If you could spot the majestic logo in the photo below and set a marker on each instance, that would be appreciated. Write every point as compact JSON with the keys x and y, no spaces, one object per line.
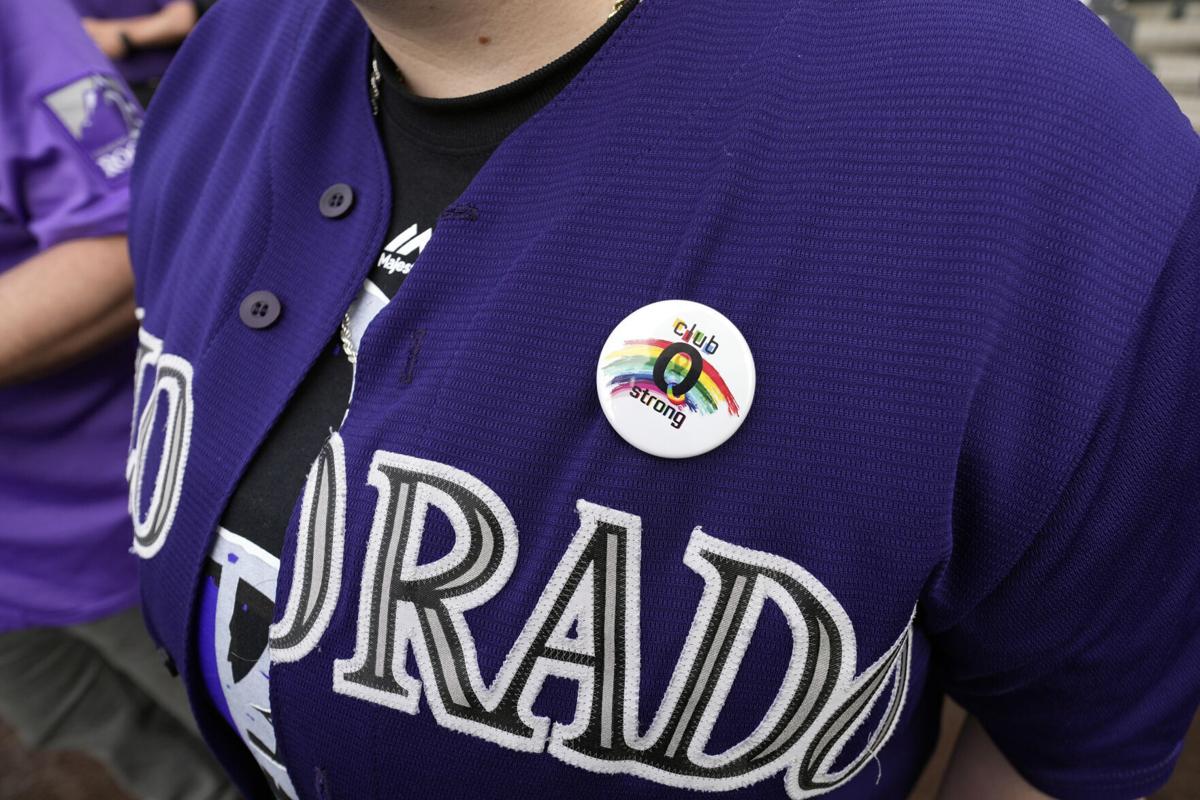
{"x":668,"y":377}
{"x":102,"y":118}
{"x":401,"y":253}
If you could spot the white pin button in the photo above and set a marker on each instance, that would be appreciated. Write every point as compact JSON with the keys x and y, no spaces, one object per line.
{"x":675,"y":379}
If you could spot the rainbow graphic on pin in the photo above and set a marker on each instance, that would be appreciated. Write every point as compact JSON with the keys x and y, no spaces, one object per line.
{"x":675,"y":371}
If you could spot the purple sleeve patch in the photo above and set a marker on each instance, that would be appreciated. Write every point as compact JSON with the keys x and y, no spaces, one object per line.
{"x":102,"y":118}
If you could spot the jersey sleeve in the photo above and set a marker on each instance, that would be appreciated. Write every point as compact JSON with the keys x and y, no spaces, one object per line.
{"x":71,"y":130}
{"x":81,"y":140}
{"x":1082,"y":661}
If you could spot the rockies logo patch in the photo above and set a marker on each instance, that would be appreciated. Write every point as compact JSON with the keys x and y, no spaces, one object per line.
{"x":103,"y":120}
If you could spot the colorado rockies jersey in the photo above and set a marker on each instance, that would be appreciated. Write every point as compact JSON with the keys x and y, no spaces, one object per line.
{"x":961,"y":244}
{"x":434,"y":148}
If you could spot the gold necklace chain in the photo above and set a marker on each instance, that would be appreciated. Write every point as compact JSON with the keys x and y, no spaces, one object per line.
{"x":345,"y":332}
{"x":347,"y":337}
{"x":617,"y":6}
{"x":375,"y":80}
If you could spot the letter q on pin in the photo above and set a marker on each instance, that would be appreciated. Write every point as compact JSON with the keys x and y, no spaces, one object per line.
{"x":675,"y":379}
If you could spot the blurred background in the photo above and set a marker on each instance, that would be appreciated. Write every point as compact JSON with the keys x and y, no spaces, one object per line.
{"x":1166,"y":34}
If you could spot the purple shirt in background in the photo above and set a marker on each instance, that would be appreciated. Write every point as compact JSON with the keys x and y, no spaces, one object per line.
{"x":144,"y":65}
{"x":69,"y":130}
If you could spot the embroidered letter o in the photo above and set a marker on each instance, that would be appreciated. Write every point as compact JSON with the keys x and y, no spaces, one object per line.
{"x":169,"y":406}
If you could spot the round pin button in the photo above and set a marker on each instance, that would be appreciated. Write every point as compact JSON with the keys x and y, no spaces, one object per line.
{"x":675,"y":379}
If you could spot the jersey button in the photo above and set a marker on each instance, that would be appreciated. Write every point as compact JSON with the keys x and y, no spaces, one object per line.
{"x":337,"y":201}
{"x":260,"y":310}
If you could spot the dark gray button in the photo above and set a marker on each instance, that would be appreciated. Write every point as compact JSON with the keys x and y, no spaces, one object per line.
{"x":260,"y":310}
{"x":337,"y":201}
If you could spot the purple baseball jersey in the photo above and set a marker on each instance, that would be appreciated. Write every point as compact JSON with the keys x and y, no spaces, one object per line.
{"x":961,"y":242}
{"x":143,"y":65}
{"x":67,"y":141}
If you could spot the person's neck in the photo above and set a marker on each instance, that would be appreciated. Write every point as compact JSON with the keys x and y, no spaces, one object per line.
{"x":453,"y":48}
